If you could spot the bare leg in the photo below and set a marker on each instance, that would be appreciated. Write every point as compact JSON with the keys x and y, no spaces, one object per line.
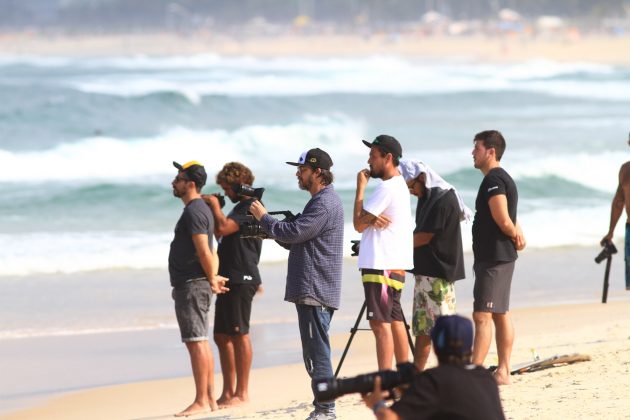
{"x":384,"y":343}
{"x":243,"y":357}
{"x":423,"y":349}
{"x":505,"y":340}
{"x":483,"y":336}
{"x":202,"y":368}
{"x":401,"y":346}
{"x":227,"y":359}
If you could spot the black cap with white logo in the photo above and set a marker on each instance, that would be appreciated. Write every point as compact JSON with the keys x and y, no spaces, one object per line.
{"x":315,"y":158}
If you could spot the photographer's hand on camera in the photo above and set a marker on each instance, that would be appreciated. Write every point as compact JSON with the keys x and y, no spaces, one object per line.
{"x":257,"y":210}
{"x":375,"y":400}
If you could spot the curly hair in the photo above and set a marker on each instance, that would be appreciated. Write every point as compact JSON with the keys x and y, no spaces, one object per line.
{"x":235,"y":173}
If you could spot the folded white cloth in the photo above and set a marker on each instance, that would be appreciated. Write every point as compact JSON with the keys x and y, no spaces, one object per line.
{"x":411,"y":169}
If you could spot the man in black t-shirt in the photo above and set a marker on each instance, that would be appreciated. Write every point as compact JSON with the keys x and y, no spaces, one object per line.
{"x":239,"y":263}
{"x":192,"y":266}
{"x":438,"y":253}
{"x":496,"y":238}
{"x":455,"y":389}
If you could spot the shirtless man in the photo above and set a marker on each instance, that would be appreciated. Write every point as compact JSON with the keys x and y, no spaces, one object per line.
{"x":621,"y":200}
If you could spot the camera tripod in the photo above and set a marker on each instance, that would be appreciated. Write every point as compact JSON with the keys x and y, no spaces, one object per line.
{"x":356,"y":328}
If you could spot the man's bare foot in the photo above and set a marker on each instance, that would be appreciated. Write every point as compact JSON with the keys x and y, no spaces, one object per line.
{"x":502,"y":377}
{"x":232,"y":402}
{"x":194,"y":408}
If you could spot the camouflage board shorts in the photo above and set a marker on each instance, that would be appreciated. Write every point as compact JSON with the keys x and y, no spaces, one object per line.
{"x":432,"y":297}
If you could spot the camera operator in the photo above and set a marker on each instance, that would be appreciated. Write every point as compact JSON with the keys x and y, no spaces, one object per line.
{"x":438,"y":256}
{"x":620,"y":201}
{"x":315,"y":242}
{"x":455,"y":389}
{"x":239,"y":263}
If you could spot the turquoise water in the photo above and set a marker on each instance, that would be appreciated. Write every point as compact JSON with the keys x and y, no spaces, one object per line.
{"x":86,"y":144}
{"x":87,"y":212}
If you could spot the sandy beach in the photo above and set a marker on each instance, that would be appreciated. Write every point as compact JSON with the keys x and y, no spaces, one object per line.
{"x":143,"y":372}
{"x":281,"y":389}
{"x":478,"y":48}
{"x":594,"y":389}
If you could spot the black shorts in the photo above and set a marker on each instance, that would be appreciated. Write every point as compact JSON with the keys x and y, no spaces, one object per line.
{"x":192,"y":302}
{"x":382,"y":301}
{"x":233,"y":309}
{"x":492,"y":286}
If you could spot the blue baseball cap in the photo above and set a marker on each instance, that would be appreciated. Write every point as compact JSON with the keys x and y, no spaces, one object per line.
{"x":452,"y":335}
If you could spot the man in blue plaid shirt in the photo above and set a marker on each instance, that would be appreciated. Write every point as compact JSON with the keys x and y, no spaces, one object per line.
{"x":315,"y":242}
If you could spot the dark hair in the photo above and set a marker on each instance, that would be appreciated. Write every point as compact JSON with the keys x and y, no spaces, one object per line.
{"x":326,"y":176}
{"x":395,"y":159}
{"x":492,"y":139}
{"x":457,"y":360}
{"x":235,"y":173}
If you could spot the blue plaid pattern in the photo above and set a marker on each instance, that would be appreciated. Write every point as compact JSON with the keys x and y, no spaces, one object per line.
{"x":315,"y":241}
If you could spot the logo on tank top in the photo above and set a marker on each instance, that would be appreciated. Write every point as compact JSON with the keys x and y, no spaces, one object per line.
{"x":246,"y":277}
{"x":493,"y":188}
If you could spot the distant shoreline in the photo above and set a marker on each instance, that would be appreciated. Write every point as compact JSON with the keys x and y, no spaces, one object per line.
{"x":505,"y":49}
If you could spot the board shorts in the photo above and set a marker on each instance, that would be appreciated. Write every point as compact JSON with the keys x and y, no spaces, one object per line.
{"x":432,"y":297}
{"x":492,"y":286}
{"x":233,"y":310}
{"x":382,"y":294}
{"x":192,"y":302}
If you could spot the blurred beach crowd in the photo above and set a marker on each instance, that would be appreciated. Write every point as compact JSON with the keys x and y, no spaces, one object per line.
{"x":563,"y":19}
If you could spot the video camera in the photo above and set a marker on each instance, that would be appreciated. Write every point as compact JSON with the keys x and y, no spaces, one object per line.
{"x":253,"y":229}
{"x":608,"y":251}
{"x":241,"y":190}
{"x":328,"y":389}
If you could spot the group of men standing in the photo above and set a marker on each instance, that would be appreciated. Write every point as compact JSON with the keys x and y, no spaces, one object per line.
{"x":390,"y":246}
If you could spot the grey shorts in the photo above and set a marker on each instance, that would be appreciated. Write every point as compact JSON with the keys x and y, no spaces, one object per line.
{"x":492,"y":286}
{"x":192,"y":302}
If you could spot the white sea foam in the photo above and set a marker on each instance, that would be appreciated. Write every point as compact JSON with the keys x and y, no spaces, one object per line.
{"x":197,"y":76}
{"x":263,"y":148}
{"x":49,"y":253}
{"x":25,"y":254}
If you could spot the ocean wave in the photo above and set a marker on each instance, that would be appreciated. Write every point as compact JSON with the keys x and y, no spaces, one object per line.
{"x":264,"y":148}
{"x":200,"y":76}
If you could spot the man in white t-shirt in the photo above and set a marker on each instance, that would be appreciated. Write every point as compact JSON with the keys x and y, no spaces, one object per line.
{"x":386,"y":249}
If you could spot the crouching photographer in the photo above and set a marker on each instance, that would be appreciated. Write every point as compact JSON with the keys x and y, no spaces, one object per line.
{"x":455,"y":389}
{"x":315,"y":242}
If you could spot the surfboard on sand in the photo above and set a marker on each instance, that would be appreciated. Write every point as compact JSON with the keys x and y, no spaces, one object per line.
{"x":549,"y":362}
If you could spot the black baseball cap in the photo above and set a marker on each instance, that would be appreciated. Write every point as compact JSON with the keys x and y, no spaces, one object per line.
{"x":315,"y":158}
{"x":452,"y":335}
{"x":388,"y":143}
{"x":194,"y":171}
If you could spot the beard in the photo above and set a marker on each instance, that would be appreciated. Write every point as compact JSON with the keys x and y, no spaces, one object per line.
{"x":306,"y":186}
{"x":376,"y":174}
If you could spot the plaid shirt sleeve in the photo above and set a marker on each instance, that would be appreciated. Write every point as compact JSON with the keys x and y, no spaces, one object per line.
{"x":303,"y":228}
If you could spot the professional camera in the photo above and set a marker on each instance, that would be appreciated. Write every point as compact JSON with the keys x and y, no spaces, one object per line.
{"x":252,"y":228}
{"x":608,"y":251}
{"x":356,"y":244}
{"x":328,"y":389}
{"x":221,"y":199}
{"x":248,"y":191}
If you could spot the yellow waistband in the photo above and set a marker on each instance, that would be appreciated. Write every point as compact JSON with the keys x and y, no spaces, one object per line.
{"x":379,"y":278}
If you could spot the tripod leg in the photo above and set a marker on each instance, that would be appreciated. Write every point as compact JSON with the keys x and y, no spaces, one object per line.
{"x":606,"y":274}
{"x":408,"y":328}
{"x":353,"y":331}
